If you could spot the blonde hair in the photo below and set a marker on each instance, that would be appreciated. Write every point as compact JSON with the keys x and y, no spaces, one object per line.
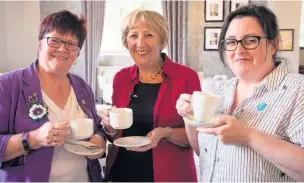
{"x":152,"y":19}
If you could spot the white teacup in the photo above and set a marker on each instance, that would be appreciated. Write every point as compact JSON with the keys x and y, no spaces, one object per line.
{"x":204,"y":105}
{"x":121,"y":118}
{"x":82,"y":128}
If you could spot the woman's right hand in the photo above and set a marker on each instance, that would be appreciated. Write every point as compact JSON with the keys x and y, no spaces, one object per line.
{"x":105,"y":119}
{"x":51,"y":134}
{"x":184,"y":105}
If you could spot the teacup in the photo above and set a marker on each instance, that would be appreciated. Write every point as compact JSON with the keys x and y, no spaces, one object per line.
{"x":121,"y":118}
{"x":82,"y":128}
{"x":204,"y":105}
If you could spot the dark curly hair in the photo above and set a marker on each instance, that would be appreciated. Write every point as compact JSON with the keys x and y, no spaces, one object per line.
{"x":64,"y":22}
{"x":266,"y":18}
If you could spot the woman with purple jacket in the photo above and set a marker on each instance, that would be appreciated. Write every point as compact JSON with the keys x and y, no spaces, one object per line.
{"x":36,"y":104}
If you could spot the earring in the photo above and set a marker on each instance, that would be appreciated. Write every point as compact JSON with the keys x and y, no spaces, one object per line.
{"x":76,"y":61}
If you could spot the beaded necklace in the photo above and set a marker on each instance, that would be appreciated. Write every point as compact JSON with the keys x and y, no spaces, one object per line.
{"x":151,"y":78}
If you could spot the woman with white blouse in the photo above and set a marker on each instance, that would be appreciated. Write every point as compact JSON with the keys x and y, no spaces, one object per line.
{"x":261,"y":137}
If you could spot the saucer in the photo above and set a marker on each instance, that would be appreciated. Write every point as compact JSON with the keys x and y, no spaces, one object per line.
{"x":200,"y":124}
{"x":80,"y":150}
{"x":132,"y":141}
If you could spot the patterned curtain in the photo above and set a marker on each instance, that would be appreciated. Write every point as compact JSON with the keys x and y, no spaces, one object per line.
{"x":94,"y":11}
{"x":176,"y":13}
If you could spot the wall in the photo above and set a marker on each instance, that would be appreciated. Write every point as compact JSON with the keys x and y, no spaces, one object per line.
{"x":200,"y":60}
{"x":302,"y":56}
{"x":294,"y":11}
{"x":207,"y":61}
{"x":19,"y":37}
{"x":3,"y":50}
{"x":20,"y":34}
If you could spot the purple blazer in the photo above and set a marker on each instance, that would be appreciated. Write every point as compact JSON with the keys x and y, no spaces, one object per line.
{"x":15,"y":89}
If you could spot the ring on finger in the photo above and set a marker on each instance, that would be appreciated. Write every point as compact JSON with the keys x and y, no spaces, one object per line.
{"x":56,"y":132}
{"x":55,"y":140}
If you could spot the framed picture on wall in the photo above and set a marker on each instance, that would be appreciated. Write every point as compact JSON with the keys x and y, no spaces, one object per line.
{"x":214,"y":10}
{"x":234,"y":4}
{"x":286,"y":39}
{"x":211,"y":37}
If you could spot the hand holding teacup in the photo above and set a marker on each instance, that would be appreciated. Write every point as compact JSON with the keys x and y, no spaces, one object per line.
{"x":100,"y":143}
{"x":83,"y":129}
{"x":201,"y":104}
{"x":116,"y":118}
{"x":51,"y":134}
{"x":184,"y":105}
{"x":231,"y":131}
{"x":105,"y":119}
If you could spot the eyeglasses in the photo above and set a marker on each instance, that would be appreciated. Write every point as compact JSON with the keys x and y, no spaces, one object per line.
{"x":56,"y":43}
{"x":249,"y":43}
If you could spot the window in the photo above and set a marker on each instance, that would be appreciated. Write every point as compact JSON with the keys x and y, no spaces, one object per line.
{"x":115,"y":12}
{"x":302,"y":26}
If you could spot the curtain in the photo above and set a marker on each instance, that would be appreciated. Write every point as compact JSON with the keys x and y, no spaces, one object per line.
{"x":94,"y":11}
{"x":176,"y":13}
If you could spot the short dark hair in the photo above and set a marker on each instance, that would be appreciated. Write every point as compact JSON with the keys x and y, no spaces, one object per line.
{"x":266,"y":18}
{"x":64,"y":22}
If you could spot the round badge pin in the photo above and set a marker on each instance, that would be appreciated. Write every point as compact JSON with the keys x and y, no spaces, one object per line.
{"x":262,"y":106}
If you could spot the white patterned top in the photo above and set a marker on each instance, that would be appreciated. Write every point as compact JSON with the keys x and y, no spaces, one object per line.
{"x":275,"y":108}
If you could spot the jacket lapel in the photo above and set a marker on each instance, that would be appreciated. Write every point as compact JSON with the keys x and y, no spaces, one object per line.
{"x":161,"y":93}
{"x":83,"y":98}
{"x":167,"y":73}
{"x":31,"y":88}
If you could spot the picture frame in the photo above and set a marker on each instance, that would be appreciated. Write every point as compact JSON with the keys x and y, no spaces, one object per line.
{"x":234,"y":4}
{"x":286,"y":40}
{"x":211,"y":38}
{"x":214,"y":10}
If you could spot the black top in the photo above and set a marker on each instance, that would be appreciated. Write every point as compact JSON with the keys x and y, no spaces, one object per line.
{"x":130,"y":166}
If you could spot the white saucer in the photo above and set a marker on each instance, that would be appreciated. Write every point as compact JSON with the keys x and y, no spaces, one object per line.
{"x":133,"y":141}
{"x":80,"y":150}
{"x":200,"y":124}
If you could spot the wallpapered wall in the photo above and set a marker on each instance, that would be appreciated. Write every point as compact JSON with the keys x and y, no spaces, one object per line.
{"x":207,"y":61}
{"x":200,"y":60}
{"x":48,"y":7}
{"x":302,"y":56}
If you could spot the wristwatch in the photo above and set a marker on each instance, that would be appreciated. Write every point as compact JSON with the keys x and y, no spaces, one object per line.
{"x":25,"y":143}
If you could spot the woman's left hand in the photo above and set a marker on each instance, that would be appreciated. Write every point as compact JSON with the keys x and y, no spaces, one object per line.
{"x":99,"y":142}
{"x":154,"y":136}
{"x":232,"y":131}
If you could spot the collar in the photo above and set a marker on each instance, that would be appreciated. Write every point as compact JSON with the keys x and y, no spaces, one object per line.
{"x":168,"y":69}
{"x":270,"y":82}
{"x":274,"y":79}
{"x":30,"y":75}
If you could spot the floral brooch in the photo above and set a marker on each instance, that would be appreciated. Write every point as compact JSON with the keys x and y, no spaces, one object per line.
{"x":36,"y":111}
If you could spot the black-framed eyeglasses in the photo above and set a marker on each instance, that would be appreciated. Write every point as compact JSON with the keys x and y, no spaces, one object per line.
{"x":56,"y":43}
{"x":249,"y":43}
